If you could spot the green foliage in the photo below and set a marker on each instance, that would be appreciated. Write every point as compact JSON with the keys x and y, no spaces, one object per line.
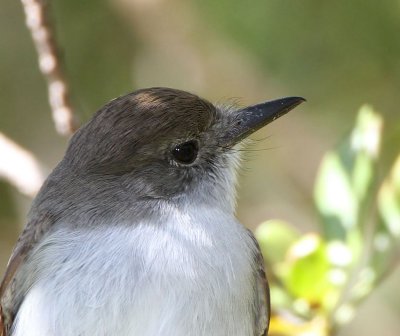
{"x":317,"y":280}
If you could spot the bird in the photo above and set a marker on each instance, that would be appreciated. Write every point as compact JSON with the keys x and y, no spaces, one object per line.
{"x":134,"y":232}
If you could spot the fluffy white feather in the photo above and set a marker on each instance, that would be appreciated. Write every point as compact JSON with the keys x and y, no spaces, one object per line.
{"x":191,"y":274}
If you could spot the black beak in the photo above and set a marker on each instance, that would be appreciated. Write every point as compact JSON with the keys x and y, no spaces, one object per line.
{"x":252,"y":118}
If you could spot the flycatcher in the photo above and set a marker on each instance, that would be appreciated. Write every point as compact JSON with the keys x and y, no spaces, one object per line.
{"x":134,"y":232}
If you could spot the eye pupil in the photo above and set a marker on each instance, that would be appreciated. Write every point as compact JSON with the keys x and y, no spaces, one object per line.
{"x":186,"y":152}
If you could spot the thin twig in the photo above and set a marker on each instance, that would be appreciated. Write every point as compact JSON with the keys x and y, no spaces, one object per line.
{"x":39,"y":23}
{"x":19,"y":167}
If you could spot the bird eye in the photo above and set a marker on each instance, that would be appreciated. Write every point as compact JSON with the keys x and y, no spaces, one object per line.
{"x":186,"y":152}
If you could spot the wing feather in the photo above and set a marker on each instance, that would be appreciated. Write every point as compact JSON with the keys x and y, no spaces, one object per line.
{"x":32,"y":234}
{"x":263,"y":305}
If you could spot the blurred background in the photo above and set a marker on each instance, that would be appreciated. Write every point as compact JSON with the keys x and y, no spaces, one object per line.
{"x":339,"y":55}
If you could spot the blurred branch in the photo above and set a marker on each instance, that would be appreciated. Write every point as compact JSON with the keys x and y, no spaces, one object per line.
{"x":19,"y":167}
{"x":39,"y":23}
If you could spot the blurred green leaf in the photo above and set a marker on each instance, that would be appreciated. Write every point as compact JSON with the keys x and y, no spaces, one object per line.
{"x":334,"y":197}
{"x":344,"y":181}
{"x":280,"y":297}
{"x":307,"y":269}
{"x":275,"y":237}
{"x":389,"y":202}
{"x":386,"y":239}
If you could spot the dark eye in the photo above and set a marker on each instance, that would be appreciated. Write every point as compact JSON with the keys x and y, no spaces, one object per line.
{"x":186,"y":152}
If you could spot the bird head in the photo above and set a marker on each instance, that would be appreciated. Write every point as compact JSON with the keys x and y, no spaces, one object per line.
{"x":165,"y":144}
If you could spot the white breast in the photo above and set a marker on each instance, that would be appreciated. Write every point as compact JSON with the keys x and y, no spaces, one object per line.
{"x":190,"y":275}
